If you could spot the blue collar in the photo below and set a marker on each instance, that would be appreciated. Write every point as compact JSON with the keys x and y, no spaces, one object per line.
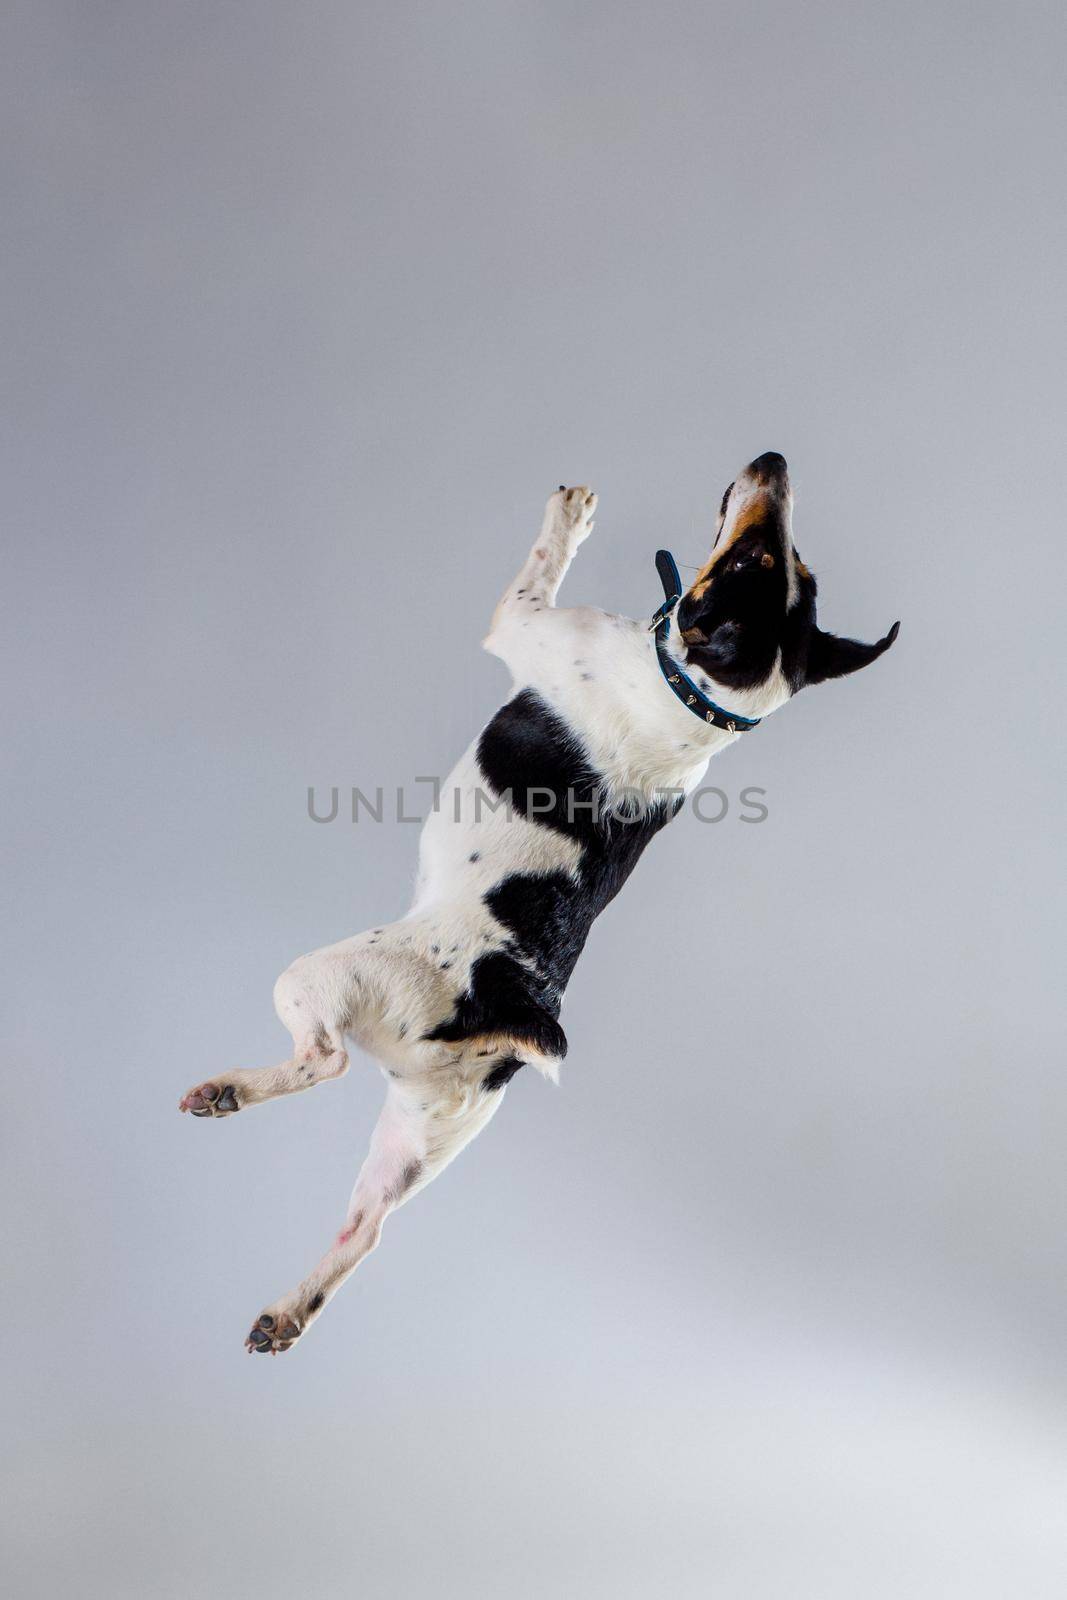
{"x":679,"y":682}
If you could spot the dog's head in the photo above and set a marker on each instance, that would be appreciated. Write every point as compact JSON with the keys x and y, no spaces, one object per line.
{"x":752,"y":606}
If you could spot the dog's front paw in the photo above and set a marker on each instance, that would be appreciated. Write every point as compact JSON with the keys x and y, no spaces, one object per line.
{"x":572,"y":511}
{"x":211,"y":1100}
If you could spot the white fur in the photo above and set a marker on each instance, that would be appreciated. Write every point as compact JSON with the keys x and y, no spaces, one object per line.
{"x":388,"y":987}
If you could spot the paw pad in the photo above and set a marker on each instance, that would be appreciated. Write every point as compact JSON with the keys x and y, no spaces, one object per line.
{"x":272,"y":1334}
{"x":210,"y":1100}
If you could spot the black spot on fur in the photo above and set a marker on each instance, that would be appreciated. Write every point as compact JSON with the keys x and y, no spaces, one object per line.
{"x":316,"y":1301}
{"x":409,"y":1176}
{"x":475,"y":855}
{"x":402,"y":1030}
{"x":501,"y":1074}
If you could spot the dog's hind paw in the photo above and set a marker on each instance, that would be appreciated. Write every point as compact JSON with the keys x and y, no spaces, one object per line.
{"x":272,"y":1334}
{"x":211,"y":1100}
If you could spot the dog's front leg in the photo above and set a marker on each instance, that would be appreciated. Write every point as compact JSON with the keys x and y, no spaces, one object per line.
{"x":568,"y":520}
{"x":415,"y":1138}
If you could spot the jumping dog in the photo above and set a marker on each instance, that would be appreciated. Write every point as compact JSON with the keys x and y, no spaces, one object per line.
{"x":610,"y":725}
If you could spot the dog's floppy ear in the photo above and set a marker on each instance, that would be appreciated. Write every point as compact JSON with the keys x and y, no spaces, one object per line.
{"x":831,"y":657}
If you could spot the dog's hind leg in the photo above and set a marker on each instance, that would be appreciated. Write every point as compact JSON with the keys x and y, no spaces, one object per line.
{"x":416,"y":1136}
{"x":315,"y":999}
{"x":318,"y":1058}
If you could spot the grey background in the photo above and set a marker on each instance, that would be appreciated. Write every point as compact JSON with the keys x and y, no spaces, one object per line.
{"x":306,"y":309}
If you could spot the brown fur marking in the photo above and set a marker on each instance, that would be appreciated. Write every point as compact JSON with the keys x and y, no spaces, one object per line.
{"x":753,"y":513}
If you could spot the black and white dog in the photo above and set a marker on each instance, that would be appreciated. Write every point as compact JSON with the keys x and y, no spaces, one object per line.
{"x":611,"y":724}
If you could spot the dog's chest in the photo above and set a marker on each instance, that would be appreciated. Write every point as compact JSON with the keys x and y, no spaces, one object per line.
{"x":599,"y":674}
{"x":591,"y":733}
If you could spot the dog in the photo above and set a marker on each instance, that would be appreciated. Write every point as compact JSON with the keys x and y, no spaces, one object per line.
{"x":610,"y":725}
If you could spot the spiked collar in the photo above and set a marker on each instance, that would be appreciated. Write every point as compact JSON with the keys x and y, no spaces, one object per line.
{"x":679,"y":681}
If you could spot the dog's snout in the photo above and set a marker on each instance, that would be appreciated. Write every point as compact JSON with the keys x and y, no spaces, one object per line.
{"x":770,"y":467}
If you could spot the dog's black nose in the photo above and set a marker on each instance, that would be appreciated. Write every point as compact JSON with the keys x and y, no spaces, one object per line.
{"x":769,"y":465}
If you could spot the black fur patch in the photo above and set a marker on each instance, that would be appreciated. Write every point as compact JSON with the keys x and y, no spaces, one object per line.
{"x":742,"y":613}
{"x":501,"y":1074}
{"x":316,"y":1301}
{"x":527,"y":748}
{"x":830,"y":656}
{"x":545,"y":914}
{"x":797,"y":632}
{"x":503,"y":996}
